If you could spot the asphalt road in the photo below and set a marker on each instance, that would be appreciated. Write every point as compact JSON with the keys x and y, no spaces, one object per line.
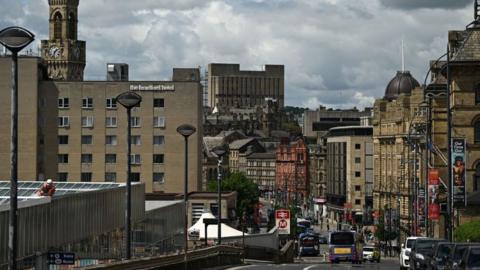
{"x":386,"y":264}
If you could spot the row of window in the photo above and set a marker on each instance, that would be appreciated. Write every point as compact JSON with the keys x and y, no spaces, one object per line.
{"x":112,"y":139}
{"x":261,"y":163}
{"x":260,"y":173}
{"x":112,"y":158}
{"x":111,"y":121}
{"x":110,"y":103}
{"x":157,"y":177}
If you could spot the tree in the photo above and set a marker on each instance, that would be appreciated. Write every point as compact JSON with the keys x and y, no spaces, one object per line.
{"x":468,"y":232}
{"x":247,"y":191}
{"x":383,"y":233}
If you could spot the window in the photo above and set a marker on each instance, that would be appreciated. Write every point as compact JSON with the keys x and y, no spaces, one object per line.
{"x":158,"y":140}
{"x":477,"y":94}
{"x":158,"y":158}
{"x":111,"y":140}
{"x":358,"y":188}
{"x":57,"y":26}
{"x":62,"y":177}
{"x":357,"y":174}
{"x":86,"y":177}
{"x":87,"y":139}
{"x":87,"y":103}
{"x":110,"y":158}
{"x":358,"y":202}
{"x":63,"y":103}
{"x":135,"y":177}
{"x":158,"y":103}
{"x":63,"y":121}
{"x":63,"y":139}
{"x":358,"y":146}
{"x":135,"y":140}
{"x":111,"y":121}
{"x":159,"y":177}
{"x":477,"y":131}
{"x":87,"y":158}
{"x":111,"y":103}
{"x":358,"y":160}
{"x":62,"y":158}
{"x":476,"y":178}
{"x":87,"y":121}
{"x":135,"y":121}
{"x":159,"y":121}
{"x":110,"y":177}
{"x":135,"y":159}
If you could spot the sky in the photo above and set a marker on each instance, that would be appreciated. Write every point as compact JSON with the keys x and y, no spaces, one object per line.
{"x":337,"y":53}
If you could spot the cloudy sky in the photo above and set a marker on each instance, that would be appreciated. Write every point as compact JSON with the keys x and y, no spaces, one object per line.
{"x":338,"y":53}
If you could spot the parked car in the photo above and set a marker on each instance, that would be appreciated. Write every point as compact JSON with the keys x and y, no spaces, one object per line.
{"x":421,"y":253}
{"x":470,"y":259}
{"x":455,"y":255}
{"x":405,"y":252}
{"x":322,"y":239}
{"x":371,"y":253}
{"x":440,"y":255}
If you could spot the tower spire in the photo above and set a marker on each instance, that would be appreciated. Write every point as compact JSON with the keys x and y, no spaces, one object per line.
{"x":403,"y":57}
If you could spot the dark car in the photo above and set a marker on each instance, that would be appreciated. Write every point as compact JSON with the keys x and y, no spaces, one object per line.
{"x":455,"y":255}
{"x":421,"y":252}
{"x":440,"y":255}
{"x":322,"y":239}
{"x":470,"y":259}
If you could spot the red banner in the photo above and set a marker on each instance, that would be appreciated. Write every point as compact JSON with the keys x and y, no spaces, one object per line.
{"x":433,"y":178}
{"x":434,"y":211}
{"x":433,"y":191}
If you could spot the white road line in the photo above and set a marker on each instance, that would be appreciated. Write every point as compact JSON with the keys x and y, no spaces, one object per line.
{"x":241,"y":267}
{"x":309,"y":267}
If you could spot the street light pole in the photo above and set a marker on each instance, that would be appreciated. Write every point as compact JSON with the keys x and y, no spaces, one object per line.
{"x":219,"y":152}
{"x":128,"y":100}
{"x":186,"y":130}
{"x":14,"y":39}
{"x":449,"y":219}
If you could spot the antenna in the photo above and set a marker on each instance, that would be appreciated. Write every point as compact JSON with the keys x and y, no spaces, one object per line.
{"x":403,"y":58}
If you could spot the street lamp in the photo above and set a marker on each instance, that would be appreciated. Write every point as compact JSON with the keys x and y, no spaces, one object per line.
{"x":186,"y":130}
{"x":14,"y":38}
{"x":219,"y":151}
{"x":128,"y":100}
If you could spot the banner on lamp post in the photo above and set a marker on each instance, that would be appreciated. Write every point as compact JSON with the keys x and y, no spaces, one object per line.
{"x":421,"y":207}
{"x":458,"y":172}
{"x":433,"y":187}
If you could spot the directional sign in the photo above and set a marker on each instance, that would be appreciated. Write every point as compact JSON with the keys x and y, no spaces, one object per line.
{"x":282,"y":219}
{"x":61,"y":258}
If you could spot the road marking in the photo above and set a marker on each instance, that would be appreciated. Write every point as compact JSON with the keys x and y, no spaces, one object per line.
{"x":241,"y":267}
{"x":309,"y":267}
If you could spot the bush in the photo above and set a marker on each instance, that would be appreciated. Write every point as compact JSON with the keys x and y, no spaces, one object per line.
{"x":468,"y":232}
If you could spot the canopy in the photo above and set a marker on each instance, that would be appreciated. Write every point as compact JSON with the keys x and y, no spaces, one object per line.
{"x":227,"y":231}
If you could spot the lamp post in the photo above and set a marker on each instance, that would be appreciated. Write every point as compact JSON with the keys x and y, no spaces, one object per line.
{"x":219,"y":151}
{"x":186,"y":130}
{"x":128,"y":100}
{"x":14,"y":39}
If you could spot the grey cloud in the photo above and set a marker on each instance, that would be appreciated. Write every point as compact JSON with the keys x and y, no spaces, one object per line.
{"x":415,"y":4}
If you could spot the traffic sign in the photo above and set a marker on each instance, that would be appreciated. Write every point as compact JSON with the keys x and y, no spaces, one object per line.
{"x":61,"y":258}
{"x":282,"y":220}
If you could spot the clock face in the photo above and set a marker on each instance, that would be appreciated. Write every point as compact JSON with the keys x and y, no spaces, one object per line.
{"x":54,"y":52}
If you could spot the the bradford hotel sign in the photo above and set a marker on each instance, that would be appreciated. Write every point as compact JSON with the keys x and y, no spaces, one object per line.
{"x":152,"y":87}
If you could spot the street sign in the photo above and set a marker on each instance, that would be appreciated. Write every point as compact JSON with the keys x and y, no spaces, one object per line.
{"x":61,"y":258}
{"x":282,"y":220}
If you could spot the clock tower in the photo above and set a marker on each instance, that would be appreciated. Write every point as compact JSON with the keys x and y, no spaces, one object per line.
{"x":65,"y":55}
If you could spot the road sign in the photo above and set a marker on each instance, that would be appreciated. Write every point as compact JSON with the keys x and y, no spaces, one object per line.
{"x":282,"y":220}
{"x":61,"y":258}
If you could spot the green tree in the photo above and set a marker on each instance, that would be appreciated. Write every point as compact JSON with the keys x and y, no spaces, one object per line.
{"x":468,"y":232}
{"x":247,"y":191}
{"x":382,"y":233}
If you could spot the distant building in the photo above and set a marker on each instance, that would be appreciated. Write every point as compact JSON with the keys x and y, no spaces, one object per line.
{"x":349,"y":174}
{"x":317,"y":123}
{"x":117,"y":72}
{"x":239,"y":150}
{"x":261,"y":170}
{"x":230,"y":87}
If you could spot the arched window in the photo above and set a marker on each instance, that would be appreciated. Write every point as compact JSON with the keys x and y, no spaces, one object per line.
{"x":477,"y":131}
{"x":476,"y":178}
{"x":477,"y":93}
{"x":72,"y":26}
{"x":57,"y":26}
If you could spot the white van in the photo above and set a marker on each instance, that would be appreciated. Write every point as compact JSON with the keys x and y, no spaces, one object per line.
{"x":406,"y":249}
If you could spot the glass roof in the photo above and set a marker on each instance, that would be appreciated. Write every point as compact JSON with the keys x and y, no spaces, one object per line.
{"x":26,"y":190}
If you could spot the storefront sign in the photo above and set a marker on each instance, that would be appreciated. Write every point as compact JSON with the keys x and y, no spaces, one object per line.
{"x":433,"y":187}
{"x":282,"y":219}
{"x":152,"y":87}
{"x":458,"y":172}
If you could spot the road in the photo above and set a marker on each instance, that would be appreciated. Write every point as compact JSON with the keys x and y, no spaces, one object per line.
{"x":386,"y":264}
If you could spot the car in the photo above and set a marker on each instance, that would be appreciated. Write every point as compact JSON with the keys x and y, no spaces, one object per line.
{"x":405,"y":252}
{"x":322,"y":239}
{"x":455,"y":255}
{"x":470,"y":259}
{"x":422,"y":251}
{"x":440,"y":255}
{"x":371,"y":253}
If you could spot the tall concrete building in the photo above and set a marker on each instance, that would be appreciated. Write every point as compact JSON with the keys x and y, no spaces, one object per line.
{"x":228,"y":86}
{"x":349,"y":173}
{"x":74,"y":130}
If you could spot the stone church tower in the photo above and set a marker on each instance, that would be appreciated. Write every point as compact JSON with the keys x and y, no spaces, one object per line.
{"x":65,"y":55}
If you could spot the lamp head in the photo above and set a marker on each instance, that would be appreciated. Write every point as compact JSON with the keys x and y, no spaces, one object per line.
{"x":219,"y":151}
{"x":16,"y":38}
{"x":186,"y":130}
{"x":129,"y":99}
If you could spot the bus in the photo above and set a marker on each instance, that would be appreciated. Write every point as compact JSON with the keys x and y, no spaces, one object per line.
{"x":344,"y":246}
